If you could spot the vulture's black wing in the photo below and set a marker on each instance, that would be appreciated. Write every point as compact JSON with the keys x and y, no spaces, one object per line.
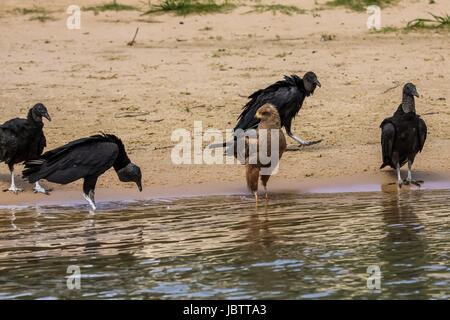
{"x":78,"y":159}
{"x":388,"y":134}
{"x":9,"y":132}
{"x":8,"y":144}
{"x":14,"y":125}
{"x":41,"y":144}
{"x":422,"y":132}
{"x":24,"y":142}
{"x":284,"y":95}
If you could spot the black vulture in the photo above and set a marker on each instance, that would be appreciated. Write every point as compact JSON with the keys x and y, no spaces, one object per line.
{"x":403,"y":135}
{"x":86,"y":158}
{"x":22,"y":140}
{"x":287,"y":96}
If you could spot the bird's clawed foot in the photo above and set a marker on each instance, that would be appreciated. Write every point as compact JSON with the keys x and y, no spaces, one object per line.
{"x":407,"y":182}
{"x":414,"y":182}
{"x":310,"y":143}
{"x":266,"y":195}
{"x":13,"y":189}
{"x":303,"y":143}
{"x":39,"y":189}
{"x":399,"y":183}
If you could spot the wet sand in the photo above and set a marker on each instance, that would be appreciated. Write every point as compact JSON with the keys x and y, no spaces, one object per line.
{"x":363,"y":183}
{"x":202,"y":70}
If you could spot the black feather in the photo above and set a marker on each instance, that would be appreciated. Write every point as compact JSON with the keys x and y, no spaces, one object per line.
{"x":23,"y":139}
{"x":78,"y":159}
{"x":85,"y":158}
{"x":286,"y":95}
{"x":402,"y":136}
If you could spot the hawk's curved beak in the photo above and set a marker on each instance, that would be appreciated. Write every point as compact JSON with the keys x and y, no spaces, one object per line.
{"x":258,"y":115}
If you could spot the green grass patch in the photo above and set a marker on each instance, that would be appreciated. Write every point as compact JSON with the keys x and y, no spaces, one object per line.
{"x":42,"y":18}
{"x":277,"y":8}
{"x":39,"y":14}
{"x":111,"y":6}
{"x":30,"y":11}
{"x":225,"y":53}
{"x":283,"y":54}
{"x":388,"y":29}
{"x":360,"y":5}
{"x":436,"y":22}
{"x":185,"y":7}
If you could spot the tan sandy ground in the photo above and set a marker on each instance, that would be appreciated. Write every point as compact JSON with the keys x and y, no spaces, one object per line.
{"x":204,"y":68}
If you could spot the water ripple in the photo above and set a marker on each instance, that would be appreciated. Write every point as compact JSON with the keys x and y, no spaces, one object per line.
{"x":315,"y":246}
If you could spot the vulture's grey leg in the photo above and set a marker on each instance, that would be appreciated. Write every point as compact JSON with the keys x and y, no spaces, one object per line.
{"x":90,"y":199}
{"x":409,"y":179}
{"x":303,"y":143}
{"x":38,"y":189}
{"x":287,"y":126}
{"x":399,"y":177}
{"x":13,"y":187}
{"x":88,"y":190}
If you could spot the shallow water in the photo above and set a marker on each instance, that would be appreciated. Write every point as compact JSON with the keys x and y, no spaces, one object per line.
{"x":296,"y":247}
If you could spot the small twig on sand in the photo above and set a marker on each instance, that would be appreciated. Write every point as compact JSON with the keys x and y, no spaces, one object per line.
{"x":283,"y":39}
{"x":131,"y":114}
{"x":132,"y":42}
{"x":159,"y":148}
{"x":387,"y":90}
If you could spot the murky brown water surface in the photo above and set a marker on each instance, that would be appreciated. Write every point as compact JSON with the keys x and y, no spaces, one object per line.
{"x":296,"y":247}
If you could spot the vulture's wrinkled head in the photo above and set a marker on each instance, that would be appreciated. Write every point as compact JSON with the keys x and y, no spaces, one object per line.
{"x":131,"y":173}
{"x":38,"y":111}
{"x":410,"y":90}
{"x":310,"y":81}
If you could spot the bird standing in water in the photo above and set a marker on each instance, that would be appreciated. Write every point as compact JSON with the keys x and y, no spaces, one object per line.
{"x":22,"y":140}
{"x":268,"y":133}
{"x":403,"y":136}
{"x":86,"y":158}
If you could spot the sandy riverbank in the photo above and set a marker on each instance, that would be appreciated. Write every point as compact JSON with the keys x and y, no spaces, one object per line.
{"x":203,"y":69}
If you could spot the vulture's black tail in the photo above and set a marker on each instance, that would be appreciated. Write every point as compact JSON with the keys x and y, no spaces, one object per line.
{"x":32,"y":170}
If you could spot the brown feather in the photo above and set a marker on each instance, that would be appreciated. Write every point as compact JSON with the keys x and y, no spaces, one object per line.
{"x":252,"y":175}
{"x":270,"y":119}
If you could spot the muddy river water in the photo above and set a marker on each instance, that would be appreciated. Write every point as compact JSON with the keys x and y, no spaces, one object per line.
{"x":365,"y":245}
